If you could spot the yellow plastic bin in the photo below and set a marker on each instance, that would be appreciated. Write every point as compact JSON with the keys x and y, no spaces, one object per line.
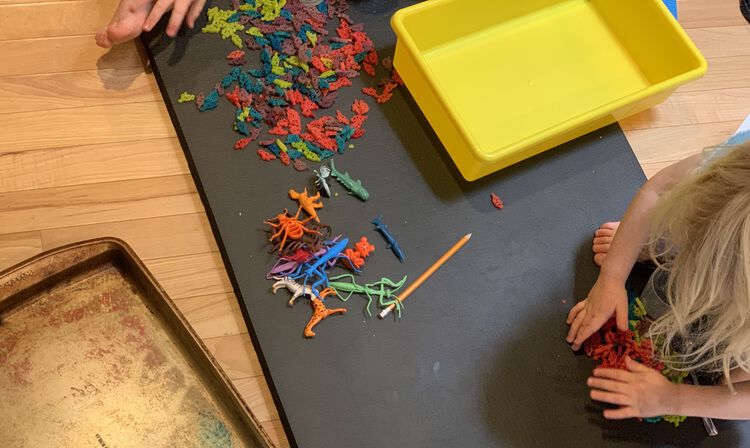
{"x":503,"y":80}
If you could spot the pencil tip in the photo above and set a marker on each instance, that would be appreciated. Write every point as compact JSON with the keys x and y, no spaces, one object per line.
{"x":468,"y":235}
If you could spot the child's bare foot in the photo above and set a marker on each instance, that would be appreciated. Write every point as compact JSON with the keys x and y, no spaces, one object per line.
{"x":126,"y":24}
{"x":602,"y":240}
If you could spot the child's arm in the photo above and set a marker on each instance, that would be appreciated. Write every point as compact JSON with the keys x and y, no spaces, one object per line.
{"x":713,"y":401}
{"x":737,"y":375}
{"x":608,"y":295}
{"x":644,"y":392}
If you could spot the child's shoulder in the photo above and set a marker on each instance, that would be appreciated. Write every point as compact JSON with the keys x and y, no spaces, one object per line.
{"x":733,"y":144}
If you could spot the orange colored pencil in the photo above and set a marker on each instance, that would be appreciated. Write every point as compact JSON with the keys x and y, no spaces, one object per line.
{"x":431,"y":270}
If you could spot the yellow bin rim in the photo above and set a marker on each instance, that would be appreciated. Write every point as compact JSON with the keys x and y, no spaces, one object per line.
{"x":397,"y":23}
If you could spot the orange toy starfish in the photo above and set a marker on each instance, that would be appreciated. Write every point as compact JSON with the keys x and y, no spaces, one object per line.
{"x":307,"y":203}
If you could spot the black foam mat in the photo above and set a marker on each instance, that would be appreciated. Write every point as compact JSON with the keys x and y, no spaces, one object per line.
{"x":478,"y":358}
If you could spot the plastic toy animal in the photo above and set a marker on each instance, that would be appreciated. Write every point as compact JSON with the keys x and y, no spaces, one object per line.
{"x":321,"y":182}
{"x":307,"y":203}
{"x":311,"y":242}
{"x":354,"y":186}
{"x":392,"y":243}
{"x":363,"y":247}
{"x":288,"y":227}
{"x":384,"y":289}
{"x":316,"y":267}
{"x":362,"y":250}
{"x":320,"y":312}
{"x":300,"y":256}
{"x":287,"y":264}
{"x":295,"y":288}
{"x":282,"y":268}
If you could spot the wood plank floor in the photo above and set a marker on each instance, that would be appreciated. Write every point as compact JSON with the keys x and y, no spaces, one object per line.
{"x":105,"y":160}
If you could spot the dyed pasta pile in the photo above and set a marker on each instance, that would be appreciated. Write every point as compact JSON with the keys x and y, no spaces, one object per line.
{"x":609,"y":347}
{"x":302,"y":68}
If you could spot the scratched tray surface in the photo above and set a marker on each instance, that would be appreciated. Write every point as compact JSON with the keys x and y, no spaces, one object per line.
{"x":91,"y":356}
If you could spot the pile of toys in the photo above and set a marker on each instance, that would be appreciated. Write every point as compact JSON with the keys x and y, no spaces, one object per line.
{"x":307,"y":253}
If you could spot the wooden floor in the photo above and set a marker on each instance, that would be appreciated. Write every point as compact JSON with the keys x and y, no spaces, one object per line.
{"x":87,"y":149}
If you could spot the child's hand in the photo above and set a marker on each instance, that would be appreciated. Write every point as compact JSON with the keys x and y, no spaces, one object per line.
{"x":182,"y":10}
{"x":607,"y":297}
{"x":640,"y":391}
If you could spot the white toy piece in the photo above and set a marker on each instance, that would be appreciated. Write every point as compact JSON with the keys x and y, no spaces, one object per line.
{"x":295,"y":288}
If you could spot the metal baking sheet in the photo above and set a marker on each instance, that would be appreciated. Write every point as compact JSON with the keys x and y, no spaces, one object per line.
{"x":94,"y":354}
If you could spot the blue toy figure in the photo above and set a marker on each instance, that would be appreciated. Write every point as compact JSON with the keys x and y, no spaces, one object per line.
{"x":315,"y":269}
{"x":392,"y":243}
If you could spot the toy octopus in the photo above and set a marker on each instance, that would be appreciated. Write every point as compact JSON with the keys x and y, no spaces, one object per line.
{"x":288,"y":227}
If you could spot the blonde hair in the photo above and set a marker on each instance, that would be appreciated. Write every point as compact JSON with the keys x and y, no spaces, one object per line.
{"x":700,"y":236}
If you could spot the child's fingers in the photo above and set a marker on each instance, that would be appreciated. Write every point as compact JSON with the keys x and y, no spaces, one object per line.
{"x":574,"y":311}
{"x":591,"y":323}
{"x":635,"y":366}
{"x":614,"y":374}
{"x":611,"y":397}
{"x":160,"y":7}
{"x":573,"y":332}
{"x":610,"y":225}
{"x":620,"y":414}
{"x":607,"y":385}
{"x":178,"y":15}
{"x":194,"y":12}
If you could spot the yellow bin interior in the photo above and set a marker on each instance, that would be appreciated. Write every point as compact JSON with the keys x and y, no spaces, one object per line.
{"x":503,"y":80}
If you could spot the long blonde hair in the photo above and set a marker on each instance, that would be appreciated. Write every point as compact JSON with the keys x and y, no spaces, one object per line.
{"x":700,"y":236}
